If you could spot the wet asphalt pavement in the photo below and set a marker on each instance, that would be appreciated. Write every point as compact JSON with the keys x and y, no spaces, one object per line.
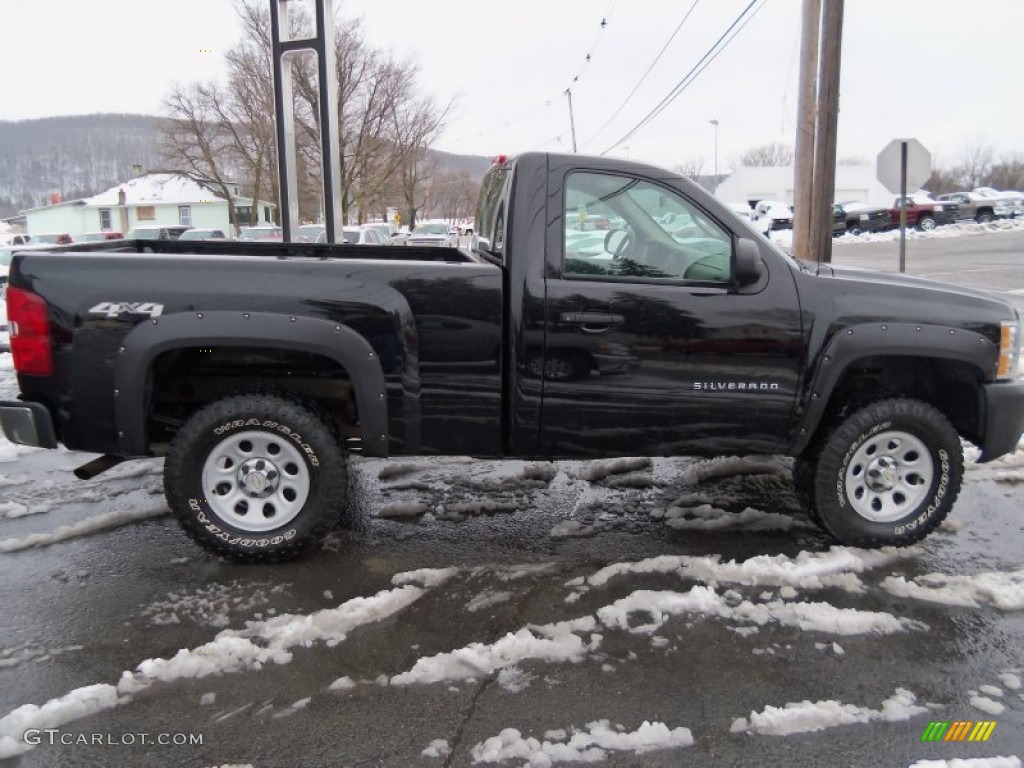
{"x":82,"y":611}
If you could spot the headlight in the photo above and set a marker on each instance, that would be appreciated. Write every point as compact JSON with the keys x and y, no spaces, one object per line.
{"x":1009,"y":349}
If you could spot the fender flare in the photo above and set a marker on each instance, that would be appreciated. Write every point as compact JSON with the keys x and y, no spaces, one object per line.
{"x":144,"y":343}
{"x":879,"y":340}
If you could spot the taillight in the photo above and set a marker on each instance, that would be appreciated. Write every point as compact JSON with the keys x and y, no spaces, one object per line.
{"x":30,"y":332}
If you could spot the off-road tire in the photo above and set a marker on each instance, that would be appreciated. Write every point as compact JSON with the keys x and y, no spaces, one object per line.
{"x":291,"y":433}
{"x":903,"y":442}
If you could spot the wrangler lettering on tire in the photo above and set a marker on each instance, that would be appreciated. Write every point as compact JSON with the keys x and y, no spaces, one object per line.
{"x":257,"y":477}
{"x":888,"y":474}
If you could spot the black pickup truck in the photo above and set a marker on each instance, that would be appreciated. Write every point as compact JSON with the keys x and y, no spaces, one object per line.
{"x":678,"y":330}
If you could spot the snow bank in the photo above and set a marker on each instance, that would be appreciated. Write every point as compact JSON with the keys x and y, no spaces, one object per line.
{"x":81,"y":702}
{"x":808,"y":570}
{"x":598,"y":470}
{"x":806,"y":716}
{"x":583,"y":746}
{"x":820,"y":617}
{"x":999,"y":589}
{"x":95,"y":524}
{"x":708,"y":518}
{"x":730,"y":466}
{"x":551,"y":642}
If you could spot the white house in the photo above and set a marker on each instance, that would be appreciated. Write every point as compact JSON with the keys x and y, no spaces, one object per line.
{"x":853,"y":182}
{"x":148,"y":200}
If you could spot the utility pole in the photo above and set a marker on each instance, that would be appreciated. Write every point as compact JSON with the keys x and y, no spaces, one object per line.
{"x":803,"y":170}
{"x":824,"y":188}
{"x":572,"y":122}
{"x":815,"y":167}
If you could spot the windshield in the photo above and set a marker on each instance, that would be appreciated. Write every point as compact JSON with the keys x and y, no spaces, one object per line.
{"x":252,"y":233}
{"x":144,"y":234}
{"x":54,"y":239}
{"x":351,"y":236}
{"x":311,"y":231}
{"x":431,"y":228}
{"x":195,"y":234}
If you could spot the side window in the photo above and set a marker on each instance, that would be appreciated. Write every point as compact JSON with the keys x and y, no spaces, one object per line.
{"x":625,"y":227}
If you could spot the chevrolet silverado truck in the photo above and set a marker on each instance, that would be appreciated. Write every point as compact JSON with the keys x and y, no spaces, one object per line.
{"x":924,"y":213}
{"x":257,"y":368}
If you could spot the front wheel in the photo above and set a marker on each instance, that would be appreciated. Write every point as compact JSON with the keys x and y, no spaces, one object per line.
{"x":926,"y":223}
{"x":256,"y":478}
{"x":887,"y":475}
{"x":984,"y":217}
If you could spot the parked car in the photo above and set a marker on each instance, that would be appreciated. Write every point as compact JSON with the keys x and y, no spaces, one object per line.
{"x":197,"y":233}
{"x":780,"y":213}
{"x":430,"y":233}
{"x":98,"y":237}
{"x":261,"y":232}
{"x":854,"y":217}
{"x":923,"y":212}
{"x":1012,"y":198}
{"x":260,"y":376}
{"x":19,"y":239}
{"x":383,"y":229}
{"x":156,"y":232}
{"x":762,"y":224}
{"x":366,"y":234}
{"x":52,"y":238}
{"x":982,"y":209}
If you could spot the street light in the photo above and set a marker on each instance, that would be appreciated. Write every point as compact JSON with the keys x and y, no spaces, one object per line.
{"x":715,"y":123}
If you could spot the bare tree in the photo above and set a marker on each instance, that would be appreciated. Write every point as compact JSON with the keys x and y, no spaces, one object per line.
{"x":691,"y":167}
{"x":771,"y":154}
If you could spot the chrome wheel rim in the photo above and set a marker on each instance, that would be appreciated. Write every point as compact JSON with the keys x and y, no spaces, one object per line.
{"x":256,"y":481}
{"x":889,"y":476}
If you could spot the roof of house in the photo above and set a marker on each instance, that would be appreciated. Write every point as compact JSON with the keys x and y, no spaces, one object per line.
{"x":157,"y":188}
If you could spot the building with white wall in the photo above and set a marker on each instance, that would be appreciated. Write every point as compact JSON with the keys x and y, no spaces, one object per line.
{"x":853,"y":182}
{"x":149,"y":200}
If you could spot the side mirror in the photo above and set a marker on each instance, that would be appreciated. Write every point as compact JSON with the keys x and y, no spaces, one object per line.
{"x":748,"y":268}
{"x":481,"y":244}
{"x":614,"y":240}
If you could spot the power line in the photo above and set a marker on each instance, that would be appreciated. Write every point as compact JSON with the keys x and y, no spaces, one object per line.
{"x":710,"y":55}
{"x":644,"y":75}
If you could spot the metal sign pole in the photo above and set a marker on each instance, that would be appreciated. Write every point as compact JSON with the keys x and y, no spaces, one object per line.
{"x":903,"y":207}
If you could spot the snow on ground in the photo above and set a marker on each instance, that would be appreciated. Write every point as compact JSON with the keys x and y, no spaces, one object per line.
{"x":784,"y":237}
{"x":806,"y":716}
{"x":970,"y":762}
{"x":259,"y":643}
{"x":1010,"y":679}
{"x":706,"y":517}
{"x":835,"y":567}
{"x":988,"y":705}
{"x":211,"y":605}
{"x":90,"y":525}
{"x":583,"y":746}
{"x":551,"y":642}
{"x":437,"y":748}
{"x":819,"y":617}
{"x":1003,"y":590}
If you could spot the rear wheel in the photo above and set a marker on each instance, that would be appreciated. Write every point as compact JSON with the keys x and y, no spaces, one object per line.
{"x":853,"y":229}
{"x":984,"y":217}
{"x":886,"y":475}
{"x":256,"y":478}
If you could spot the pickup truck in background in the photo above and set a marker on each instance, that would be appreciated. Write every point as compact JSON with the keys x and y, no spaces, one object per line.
{"x":255,"y":368}
{"x":982,"y":209}
{"x":855,"y":218}
{"x":924,"y":213}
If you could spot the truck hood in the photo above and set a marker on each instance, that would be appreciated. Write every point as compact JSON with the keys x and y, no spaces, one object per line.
{"x":954,"y":302}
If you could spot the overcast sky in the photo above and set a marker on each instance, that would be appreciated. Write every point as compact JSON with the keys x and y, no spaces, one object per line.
{"x":947,"y":72}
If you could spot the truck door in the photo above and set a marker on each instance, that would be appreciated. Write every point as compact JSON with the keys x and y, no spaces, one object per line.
{"x":649,"y":346}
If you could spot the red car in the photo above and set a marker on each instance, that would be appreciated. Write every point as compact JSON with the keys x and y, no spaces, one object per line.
{"x":924,"y":213}
{"x":99,"y":237}
{"x":52,"y":238}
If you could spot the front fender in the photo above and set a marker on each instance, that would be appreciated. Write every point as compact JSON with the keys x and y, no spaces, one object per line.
{"x":144,"y":343}
{"x":856,"y":342}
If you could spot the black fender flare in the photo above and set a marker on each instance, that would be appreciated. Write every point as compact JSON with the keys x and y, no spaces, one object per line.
{"x":144,"y":343}
{"x":881,"y":339}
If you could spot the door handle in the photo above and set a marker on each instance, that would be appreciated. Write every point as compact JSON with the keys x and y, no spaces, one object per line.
{"x":592,"y":322}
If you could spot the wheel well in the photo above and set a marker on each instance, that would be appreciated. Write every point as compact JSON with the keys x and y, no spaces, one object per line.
{"x":986,"y":209}
{"x":949,"y":385}
{"x":184,"y":380}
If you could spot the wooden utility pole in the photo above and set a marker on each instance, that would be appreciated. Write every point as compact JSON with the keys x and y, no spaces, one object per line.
{"x":812,"y":236}
{"x":803,"y":171}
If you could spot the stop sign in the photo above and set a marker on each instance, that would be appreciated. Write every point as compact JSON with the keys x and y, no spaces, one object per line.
{"x":919,"y":165}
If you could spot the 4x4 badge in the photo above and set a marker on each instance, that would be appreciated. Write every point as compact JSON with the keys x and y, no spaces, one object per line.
{"x":117,"y":308}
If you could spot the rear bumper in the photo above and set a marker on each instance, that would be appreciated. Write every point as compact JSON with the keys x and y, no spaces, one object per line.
{"x":1004,"y":418}
{"x":27,"y":424}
